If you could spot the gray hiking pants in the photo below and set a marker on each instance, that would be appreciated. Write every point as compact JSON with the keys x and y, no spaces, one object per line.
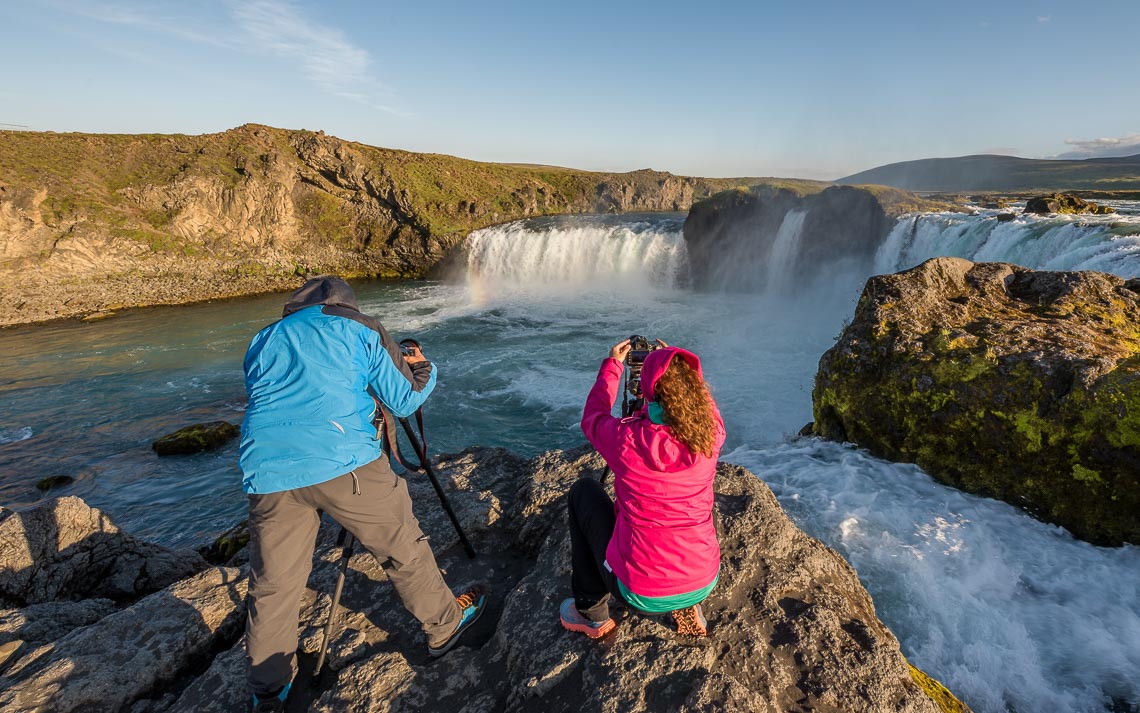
{"x":373,"y":504}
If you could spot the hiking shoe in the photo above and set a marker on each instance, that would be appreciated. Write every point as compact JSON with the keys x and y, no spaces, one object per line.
{"x":473,"y":603}
{"x":271,"y":702}
{"x":572,"y":620}
{"x":691,"y":621}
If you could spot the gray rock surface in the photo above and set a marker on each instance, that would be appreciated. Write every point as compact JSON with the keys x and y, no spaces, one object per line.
{"x":115,"y":662}
{"x":791,"y":627}
{"x":43,"y":623}
{"x":65,"y":549}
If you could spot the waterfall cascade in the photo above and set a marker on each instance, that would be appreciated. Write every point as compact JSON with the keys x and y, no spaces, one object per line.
{"x":569,"y":251}
{"x":1103,"y":243}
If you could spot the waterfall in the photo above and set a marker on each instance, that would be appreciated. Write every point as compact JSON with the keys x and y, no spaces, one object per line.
{"x":553,"y":253}
{"x":785,"y":249}
{"x":1104,"y":243}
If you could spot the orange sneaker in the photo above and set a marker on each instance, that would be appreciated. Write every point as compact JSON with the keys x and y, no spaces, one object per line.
{"x":691,"y":621}
{"x":572,"y":620}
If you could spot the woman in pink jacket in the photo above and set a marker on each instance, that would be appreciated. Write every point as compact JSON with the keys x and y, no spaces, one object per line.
{"x":655,"y":548}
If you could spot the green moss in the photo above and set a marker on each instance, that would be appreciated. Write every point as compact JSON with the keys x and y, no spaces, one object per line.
{"x":942,"y":697}
{"x":1086,"y":475}
{"x":327,"y":217}
{"x":1031,"y":427}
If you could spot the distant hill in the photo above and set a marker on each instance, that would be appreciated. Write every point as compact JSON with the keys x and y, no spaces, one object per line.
{"x":1005,"y":173}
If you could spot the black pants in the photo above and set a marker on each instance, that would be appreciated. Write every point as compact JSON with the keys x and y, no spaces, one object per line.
{"x":592,"y":522}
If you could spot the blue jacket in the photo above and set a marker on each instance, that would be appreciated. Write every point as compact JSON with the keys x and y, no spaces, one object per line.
{"x":310,"y":378}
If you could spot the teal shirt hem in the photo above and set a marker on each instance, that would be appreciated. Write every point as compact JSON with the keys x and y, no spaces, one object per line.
{"x":659,"y":605}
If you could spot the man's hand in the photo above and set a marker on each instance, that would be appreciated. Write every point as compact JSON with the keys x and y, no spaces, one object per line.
{"x":620,"y":350}
{"x":415,"y":357}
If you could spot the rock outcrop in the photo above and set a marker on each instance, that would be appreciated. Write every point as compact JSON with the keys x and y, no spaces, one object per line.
{"x":790,"y":233}
{"x":197,"y":438}
{"x":791,"y":627}
{"x":66,"y":550}
{"x":1064,"y":203}
{"x":91,"y":223}
{"x":999,"y":380}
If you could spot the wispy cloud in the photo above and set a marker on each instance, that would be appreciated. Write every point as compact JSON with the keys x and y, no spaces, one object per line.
{"x":324,"y":55}
{"x":1127,"y":145}
{"x":1044,"y":18}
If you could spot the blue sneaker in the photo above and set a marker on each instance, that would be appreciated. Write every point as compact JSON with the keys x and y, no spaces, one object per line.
{"x":271,"y":702}
{"x":473,"y":603}
{"x":572,"y":620}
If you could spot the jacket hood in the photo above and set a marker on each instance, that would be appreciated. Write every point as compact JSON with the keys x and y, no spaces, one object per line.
{"x":658,"y":361}
{"x":321,"y":290}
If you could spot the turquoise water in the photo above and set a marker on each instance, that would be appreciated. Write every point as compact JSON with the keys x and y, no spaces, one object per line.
{"x":1009,"y":612}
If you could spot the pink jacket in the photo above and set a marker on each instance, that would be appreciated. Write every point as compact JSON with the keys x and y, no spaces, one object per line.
{"x":664,"y":542}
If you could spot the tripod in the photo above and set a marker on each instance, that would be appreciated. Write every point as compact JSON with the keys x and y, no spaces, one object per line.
{"x":347,"y":542}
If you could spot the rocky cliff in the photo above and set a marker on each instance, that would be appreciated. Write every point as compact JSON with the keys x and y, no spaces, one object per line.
{"x":792,"y":629}
{"x":92,"y":222}
{"x":999,"y":380}
{"x":791,"y":231}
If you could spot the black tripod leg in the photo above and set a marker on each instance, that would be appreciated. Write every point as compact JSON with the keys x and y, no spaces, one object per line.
{"x":345,"y":555}
{"x":438,"y":488}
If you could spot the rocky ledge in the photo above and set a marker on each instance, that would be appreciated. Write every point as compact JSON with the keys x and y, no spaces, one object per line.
{"x":792,"y":629}
{"x":999,"y":380}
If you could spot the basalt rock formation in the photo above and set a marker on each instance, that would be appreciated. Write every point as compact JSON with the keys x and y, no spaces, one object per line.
{"x":791,"y":232}
{"x":90,"y":223}
{"x":999,"y":380}
{"x":792,"y":629}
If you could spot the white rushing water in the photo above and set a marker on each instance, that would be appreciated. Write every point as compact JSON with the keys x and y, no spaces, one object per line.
{"x":1012,"y":614}
{"x":565,"y":253}
{"x":1109,"y":243}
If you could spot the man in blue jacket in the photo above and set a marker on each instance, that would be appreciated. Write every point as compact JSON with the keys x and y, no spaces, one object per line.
{"x":309,"y":444}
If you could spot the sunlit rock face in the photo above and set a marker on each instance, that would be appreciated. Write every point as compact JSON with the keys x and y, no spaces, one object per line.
{"x":1013,"y":383}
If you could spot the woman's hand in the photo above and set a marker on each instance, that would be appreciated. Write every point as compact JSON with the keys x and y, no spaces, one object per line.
{"x":620,"y":350}
{"x":662,"y":343}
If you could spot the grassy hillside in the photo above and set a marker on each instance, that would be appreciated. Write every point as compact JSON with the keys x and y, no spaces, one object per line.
{"x":96,"y":221}
{"x":1005,"y":173}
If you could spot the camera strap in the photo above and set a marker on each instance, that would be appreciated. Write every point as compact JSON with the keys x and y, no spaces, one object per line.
{"x":390,"y":442}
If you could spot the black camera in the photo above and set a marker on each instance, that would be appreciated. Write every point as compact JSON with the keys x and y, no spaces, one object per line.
{"x":639,"y":348}
{"x":408,"y":347}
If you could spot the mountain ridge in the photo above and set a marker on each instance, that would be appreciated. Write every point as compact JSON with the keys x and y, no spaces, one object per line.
{"x":992,"y":172}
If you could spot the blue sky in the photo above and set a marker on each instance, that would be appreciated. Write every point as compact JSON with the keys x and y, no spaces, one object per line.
{"x":810,"y":89}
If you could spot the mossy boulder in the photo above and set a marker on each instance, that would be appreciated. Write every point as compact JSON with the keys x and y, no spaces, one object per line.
{"x":1002,"y":381}
{"x":197,"y":438}
{"x":1064,"y":203}
{"x":227,"y":545}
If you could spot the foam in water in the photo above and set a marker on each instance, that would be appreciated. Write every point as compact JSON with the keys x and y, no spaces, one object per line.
{"x":15,"y":435}
{"x":1012,"y":614}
